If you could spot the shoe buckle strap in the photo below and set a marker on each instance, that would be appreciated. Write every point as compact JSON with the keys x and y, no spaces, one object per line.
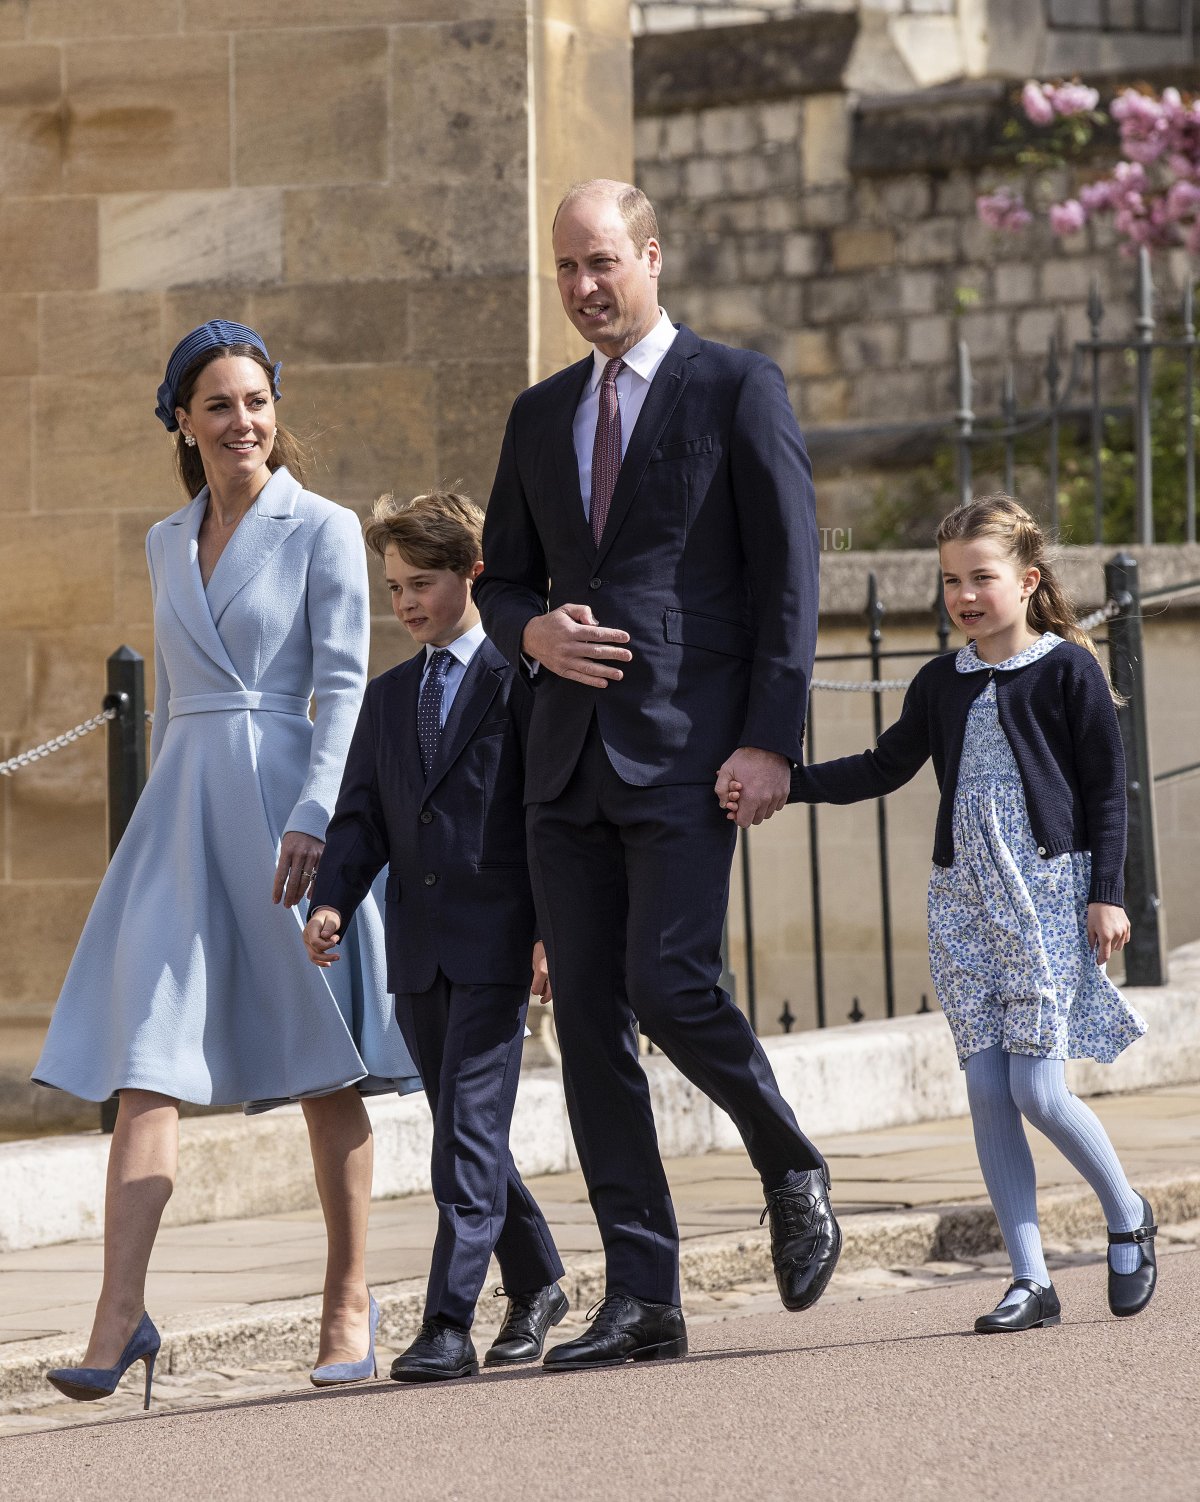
{"x":1136,"y":1237}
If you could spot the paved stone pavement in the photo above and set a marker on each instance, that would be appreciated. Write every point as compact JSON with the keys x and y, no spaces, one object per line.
{"x":225,"y":1266}
{"x":863,"y":1399}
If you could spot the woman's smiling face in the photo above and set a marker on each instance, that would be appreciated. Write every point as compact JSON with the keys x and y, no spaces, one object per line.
{"x":232,"y":418}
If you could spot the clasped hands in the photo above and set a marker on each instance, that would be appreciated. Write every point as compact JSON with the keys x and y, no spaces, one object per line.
{"x":752,"y":784}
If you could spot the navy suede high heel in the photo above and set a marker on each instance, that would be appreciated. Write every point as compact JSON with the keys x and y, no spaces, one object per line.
{"x":86,"y":1383}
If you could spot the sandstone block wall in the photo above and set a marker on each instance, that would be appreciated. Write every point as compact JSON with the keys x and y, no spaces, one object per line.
{"x":368,"y":183}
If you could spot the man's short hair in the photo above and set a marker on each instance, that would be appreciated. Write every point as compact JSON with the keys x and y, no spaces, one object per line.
{"x":633,"y":205}
{"x":441,"y":529}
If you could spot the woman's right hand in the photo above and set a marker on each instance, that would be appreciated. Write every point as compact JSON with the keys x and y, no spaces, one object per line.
{"x":322,"y":933}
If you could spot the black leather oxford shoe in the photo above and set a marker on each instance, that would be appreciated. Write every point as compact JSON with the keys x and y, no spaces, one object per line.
{"x":806,"y":1240}
{"x":1129,"y":1293}
{"x":625,"y":1329}
{"x":1039,"y":1307}
{"x":526,"y":1321}
{"x":439,"y":1353}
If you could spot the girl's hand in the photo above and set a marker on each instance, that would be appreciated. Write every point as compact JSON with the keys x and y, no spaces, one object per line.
{"x":539,"y":986}
{"x":729,"y":792}
{"x":321,"y":933}
{"x":299,"y":857}
{"x":1107,"y":929}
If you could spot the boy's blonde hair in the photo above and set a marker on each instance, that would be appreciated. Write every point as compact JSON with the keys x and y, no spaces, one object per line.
{"x":441,"y":529}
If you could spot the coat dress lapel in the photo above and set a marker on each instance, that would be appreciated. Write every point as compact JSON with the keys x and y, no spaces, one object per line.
{"x":479,"y":687}
{"x":184,"y":587}
{"x":267,"y":525}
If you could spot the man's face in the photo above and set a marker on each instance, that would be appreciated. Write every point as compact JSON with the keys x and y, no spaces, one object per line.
{"x":610,"y":293}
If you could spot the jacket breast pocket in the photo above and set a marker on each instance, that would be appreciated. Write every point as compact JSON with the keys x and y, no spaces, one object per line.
{"x":691,"y":629}
{"x":683,"y":448}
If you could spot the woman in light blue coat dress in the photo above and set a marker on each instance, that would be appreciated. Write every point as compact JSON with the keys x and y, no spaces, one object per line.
{"x":190,"y":981}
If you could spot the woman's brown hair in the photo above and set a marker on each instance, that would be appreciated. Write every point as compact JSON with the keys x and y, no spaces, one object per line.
{"x":287,"y":449}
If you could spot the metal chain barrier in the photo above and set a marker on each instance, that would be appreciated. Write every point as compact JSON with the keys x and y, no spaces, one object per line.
{"x":56,"y":743}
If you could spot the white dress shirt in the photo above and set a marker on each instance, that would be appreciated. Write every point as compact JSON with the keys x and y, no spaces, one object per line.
{"x":461,"y":650}
{"x":633,"y":382}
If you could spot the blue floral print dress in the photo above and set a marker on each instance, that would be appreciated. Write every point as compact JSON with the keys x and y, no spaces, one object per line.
{"x":1008,"y":945}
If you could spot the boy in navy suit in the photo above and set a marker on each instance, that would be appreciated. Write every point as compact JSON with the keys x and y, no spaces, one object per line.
{"x":432,"y":790}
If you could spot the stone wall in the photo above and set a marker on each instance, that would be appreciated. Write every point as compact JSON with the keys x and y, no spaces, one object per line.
{"x":367,"y":183}
{"x":837,"y":233}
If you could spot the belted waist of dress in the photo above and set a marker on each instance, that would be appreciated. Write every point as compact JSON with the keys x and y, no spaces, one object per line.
{"x":238,"y":699}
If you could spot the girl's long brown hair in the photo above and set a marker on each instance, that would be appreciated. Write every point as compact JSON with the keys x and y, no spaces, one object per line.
{"x":288,"y":449}
{"x":999,"y":516}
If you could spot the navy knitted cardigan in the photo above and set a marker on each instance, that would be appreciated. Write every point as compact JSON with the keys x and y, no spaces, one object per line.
{"x":1058,"y":716}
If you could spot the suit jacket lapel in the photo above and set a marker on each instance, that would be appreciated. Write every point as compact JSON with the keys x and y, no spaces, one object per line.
{"x":264,"y":528}
{"x":661,"y":400}
{"x":184,"y":589}
{"x":409,"y":692}
{"x":479,"y":687}
{"x":567,"y":460}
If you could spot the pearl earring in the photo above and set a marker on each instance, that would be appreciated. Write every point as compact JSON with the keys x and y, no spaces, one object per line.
{"x":189,"y":440}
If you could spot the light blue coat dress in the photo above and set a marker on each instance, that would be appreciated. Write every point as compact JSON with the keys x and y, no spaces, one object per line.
{"x":187,"y":979}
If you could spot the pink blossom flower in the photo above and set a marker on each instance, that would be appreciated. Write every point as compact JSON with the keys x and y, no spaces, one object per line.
{"x":1067,"y":218}
{"x":1071,"y":98}
{"x":1096,"y":196}
{"x":1003,"y":210}
{"x":1034,"y":102}
{"x":1182,"y":200}
{"x":1145,"y":126}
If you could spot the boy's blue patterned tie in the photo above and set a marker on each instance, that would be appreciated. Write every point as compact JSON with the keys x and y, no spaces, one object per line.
{"x":429,"y":707}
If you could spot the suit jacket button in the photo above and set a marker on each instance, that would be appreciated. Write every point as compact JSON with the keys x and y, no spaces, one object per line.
{"x":1041,"y":849}
{"x":430,"y":879}
{"x":595,"y":583}
{"x":426,"y":816}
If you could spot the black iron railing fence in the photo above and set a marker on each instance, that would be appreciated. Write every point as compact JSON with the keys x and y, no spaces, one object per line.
{"x":1121,"y":615}
{"x":1082,"y":398}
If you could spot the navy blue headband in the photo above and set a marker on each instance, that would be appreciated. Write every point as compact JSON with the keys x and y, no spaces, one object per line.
{"x":218,"y":334}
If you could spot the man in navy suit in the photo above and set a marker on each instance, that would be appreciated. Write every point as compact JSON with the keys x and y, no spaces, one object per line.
{"x":651,"y":563}
{"x":432,"y":790}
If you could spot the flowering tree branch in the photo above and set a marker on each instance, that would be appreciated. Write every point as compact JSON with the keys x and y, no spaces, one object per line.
{"x":1152,"y":195}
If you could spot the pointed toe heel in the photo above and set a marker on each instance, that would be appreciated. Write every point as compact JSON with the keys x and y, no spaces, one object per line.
{"x":334,"y":1373}
{"x":84,"y":1384}
{"x":1129,"y":1293}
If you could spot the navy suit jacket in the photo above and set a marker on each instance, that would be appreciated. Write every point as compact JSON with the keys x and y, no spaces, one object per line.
{"x":709,"y":559}
{"x":458,"y":894}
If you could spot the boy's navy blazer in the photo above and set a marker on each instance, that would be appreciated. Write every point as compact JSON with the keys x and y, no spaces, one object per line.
{"x":709,"y":559}
{"x":458,"y":894}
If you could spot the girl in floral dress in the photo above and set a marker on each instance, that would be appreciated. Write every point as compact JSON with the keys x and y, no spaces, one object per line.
{"x":1026,"y":892}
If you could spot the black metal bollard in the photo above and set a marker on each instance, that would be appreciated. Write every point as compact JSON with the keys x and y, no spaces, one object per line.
{"x":1146,"y":952}
{"x":126,"y":681}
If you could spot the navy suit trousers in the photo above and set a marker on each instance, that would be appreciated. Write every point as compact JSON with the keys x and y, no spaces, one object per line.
{"x":631,"y":886}
{"x":466,"y":1041}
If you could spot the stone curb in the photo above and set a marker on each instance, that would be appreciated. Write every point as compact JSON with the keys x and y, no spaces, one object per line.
{"x":841,"y":1080}
{"x":287,"y":1329}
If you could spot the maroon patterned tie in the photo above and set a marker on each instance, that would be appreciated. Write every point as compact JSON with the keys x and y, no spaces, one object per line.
{"x":606,"y":451}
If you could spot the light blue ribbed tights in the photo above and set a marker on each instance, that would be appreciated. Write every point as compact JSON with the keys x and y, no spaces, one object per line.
{"x":1002,"y":1088}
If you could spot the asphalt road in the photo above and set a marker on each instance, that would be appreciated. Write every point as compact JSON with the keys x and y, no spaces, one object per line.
{"x":891,"y":1398}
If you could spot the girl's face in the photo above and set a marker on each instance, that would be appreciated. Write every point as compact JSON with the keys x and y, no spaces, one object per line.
{"x":987,"y":594}
{"x":232,"y":419}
